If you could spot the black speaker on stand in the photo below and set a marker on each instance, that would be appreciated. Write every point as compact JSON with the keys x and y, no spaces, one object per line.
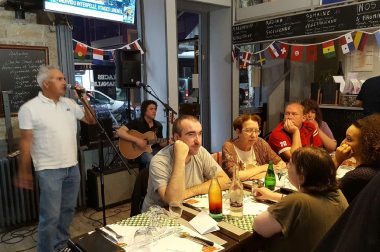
{"x":128,"y":72}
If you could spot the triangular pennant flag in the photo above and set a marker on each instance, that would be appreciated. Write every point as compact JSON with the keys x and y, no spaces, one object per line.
{"x":311,"y":53}
{"x":284,"y":48}
{"x":360,"y":40}
{"x":296,"y":53}
{"x":346,"y":43}
{"x":328,"y":49}
{"x":377,"y":36}
{"x":274,"y":50}
{"x":80,"y":51}
{"x":260,"y":58}
{"x":246,"y":59}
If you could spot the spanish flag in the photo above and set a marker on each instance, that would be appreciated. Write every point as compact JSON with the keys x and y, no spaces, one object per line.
{"x":328,"y":49}
{"x":360,"y":40}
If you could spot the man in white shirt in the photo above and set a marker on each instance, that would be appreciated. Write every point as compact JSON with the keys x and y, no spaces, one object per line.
{"x":48,"y":126}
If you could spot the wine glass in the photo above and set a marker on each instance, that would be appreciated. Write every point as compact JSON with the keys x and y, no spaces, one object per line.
{"x":175,"y":209}
{"x":142,"y":235}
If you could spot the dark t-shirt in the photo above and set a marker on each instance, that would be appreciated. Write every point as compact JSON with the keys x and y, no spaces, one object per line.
{"x":354,"y":181}
{"x":370,"y":96}
{"x":142,"y":126}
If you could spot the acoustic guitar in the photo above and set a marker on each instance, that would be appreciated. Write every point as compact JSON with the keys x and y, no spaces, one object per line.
{"x":130,"y":150}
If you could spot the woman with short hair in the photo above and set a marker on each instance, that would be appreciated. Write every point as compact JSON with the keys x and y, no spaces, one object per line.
{"x":248,"y":149}
{"x":302,"y":218}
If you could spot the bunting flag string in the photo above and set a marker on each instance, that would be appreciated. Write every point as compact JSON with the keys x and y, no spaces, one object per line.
{"x":81,"y":50}
{"x":279,"y":49}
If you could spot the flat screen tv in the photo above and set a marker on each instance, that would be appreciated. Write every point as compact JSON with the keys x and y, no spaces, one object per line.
{"x":115,"y":10}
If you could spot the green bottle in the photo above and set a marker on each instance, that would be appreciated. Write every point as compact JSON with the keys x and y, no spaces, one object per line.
{"x":270,"y":177}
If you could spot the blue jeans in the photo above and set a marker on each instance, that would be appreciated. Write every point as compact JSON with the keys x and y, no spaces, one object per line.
{"x":58,"y":196}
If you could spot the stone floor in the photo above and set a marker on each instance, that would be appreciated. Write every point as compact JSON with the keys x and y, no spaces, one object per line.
{"x":24,"y":238}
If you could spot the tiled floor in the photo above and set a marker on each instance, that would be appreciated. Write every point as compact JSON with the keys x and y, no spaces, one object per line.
{"x":24,"y":239}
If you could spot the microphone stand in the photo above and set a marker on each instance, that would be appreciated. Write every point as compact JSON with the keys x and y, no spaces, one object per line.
{"x":102,"y":134}
{"x":167,"y":108}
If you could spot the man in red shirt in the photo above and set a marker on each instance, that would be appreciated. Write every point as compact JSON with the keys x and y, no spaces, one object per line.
{"x":294,"y":132}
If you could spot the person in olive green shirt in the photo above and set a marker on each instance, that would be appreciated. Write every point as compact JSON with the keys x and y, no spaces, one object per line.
{"x":303,"y":217}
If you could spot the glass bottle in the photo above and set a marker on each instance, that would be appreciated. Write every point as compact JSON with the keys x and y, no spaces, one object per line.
{"x":270,"y":177}
{"x":215,"y":200}
{"x":236,"y":194}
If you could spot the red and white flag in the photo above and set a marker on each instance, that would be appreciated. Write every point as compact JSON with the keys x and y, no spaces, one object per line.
{"x":274,"y":50}
{"x":296,"y":53}
{"x":284,"y":48}
{"x":311,"y":53}
{"x":97,"y":54}
{"x":246,"y":59}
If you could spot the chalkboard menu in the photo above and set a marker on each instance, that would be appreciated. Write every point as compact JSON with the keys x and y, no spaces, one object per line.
{"x":18,"y":71}
{"x":338,"y":19}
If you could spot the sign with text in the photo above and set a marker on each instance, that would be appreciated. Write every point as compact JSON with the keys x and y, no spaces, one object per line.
{"x":105,"y":80}
{"x":338,"y":19}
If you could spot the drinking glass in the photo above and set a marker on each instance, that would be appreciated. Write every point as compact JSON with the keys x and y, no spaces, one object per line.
{"x":143,"y":235}
{"x":175,"y":210}
{"x":256,"y":183}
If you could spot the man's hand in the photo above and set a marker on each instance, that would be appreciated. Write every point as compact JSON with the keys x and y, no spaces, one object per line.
{"x":141,"y":143}
{"x":342,"y":153}
{"x":180,"y":149}
{"x":290,"y":127}
{"x":23,"y":180}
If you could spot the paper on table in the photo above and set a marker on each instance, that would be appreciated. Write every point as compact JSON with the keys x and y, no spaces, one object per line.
{"x":203,"y":223}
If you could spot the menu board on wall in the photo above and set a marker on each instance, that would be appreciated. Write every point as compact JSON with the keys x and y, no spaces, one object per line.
{"x":338,"y":19}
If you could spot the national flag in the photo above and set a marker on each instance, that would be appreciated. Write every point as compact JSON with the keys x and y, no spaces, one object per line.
{"x":377,"y":36}
{"x":311,"y":53}
{"x":274,"y":50}
{"x":328,"y":49}
{"x":284,"y":48}
{"x":135,"y":45}
{"x":246,"y":59}
{"x":360,"y":40}
{"x":80,"y":50}
{"x":235,"y":54}
{"x":296,"y":53}
{"x":260,"y":58}
{"x":346,"y":43}
{"x":97,"y":54}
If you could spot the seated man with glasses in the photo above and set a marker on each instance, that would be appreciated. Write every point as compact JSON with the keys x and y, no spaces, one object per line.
{"x":183,"y":169}
{"x":249,"y":150}
{"x":294,"y":132}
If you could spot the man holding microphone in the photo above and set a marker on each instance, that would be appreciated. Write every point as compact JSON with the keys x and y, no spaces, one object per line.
{"x":48,"y":126}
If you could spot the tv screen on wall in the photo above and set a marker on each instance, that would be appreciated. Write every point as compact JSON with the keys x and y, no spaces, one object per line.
{"x":115,"y":10}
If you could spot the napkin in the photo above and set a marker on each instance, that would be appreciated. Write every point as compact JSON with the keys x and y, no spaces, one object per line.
{"x":203,"y":223}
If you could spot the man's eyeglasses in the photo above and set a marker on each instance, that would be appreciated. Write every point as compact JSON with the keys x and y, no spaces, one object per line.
{"x":58,"y":78}
{"x":250,"y":131}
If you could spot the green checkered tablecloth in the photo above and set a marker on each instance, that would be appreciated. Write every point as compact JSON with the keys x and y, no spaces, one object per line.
{"x":244,"y":222}
{"x":143,"y":220}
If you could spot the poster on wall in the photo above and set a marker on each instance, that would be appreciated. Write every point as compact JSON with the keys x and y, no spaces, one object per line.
{"x":105,"y":80}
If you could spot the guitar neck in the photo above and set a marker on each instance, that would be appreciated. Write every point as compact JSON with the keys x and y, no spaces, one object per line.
{"x":158,"y":140}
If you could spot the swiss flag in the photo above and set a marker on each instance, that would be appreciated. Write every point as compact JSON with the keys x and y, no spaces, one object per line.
{"x":284,"y":48}
{"x":311,"y":53}
{"x":296,"y":53}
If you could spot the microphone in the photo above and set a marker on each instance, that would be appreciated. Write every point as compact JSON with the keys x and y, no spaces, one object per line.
{"x":79,"y":91}
{"x":140,"y":84}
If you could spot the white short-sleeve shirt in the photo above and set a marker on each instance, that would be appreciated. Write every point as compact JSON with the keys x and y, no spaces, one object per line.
{"x":54,"y":127}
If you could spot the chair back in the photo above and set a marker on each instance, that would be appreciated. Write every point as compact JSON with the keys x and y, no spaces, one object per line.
{"x":139,"y":191}
{"x":217,"y":157}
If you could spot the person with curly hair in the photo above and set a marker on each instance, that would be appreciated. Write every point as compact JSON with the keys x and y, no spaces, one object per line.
{"x":248,"y":149}
{"x":314,"y":114}
{"x":298,"y":221}
{"x":362,"y":143}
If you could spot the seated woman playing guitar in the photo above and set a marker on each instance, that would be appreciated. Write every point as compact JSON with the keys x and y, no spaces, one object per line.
{"x":133,"y":143}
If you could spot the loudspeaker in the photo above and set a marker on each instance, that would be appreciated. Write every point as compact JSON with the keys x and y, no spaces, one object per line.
{"x":118,"y":187}
{"x":131,"y":73}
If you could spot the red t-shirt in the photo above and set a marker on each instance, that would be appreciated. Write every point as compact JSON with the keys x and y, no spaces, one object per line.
{"x":281,"y":141}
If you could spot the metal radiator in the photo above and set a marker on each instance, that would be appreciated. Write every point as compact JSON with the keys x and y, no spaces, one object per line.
{"x":20,"y":206}
{"x":17,"y":206}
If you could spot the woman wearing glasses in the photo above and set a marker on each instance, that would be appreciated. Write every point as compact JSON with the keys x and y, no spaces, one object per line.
{"x":249,"y":149}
